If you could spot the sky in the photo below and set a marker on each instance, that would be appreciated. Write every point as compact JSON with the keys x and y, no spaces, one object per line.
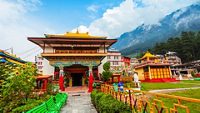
{"x":20,"y":19}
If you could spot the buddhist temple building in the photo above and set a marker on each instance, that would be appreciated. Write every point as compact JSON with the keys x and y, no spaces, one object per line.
{"x":150,"y":68}
{"x":73,"y":55}
{"x":6,"y":57}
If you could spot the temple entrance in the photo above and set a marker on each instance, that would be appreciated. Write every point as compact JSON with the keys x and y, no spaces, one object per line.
{"x":77,"y":79}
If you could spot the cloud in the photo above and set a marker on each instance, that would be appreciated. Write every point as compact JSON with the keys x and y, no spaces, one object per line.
{"x":81,"y":29}
{"x":132,"y":13}
{"x":116,"y":20}
{"x":93,"y":8}
{"x":16,"y":26}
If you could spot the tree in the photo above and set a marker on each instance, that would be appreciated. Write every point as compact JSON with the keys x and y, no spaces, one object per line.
{"x":186,"y":46}
{"x":18,"y":85}
{"x":106,"y":73}
{"x":4,"y":73}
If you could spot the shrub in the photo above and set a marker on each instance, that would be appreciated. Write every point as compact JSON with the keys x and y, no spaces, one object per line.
{"x":92,"y":95}
{"x":31,"y":103}
{"x":28,"y":106}
{"x":97,"y":97}
{"x":110,"y":105}
{"x":107,"y":104}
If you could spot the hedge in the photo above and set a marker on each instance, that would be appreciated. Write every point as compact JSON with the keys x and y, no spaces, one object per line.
{"x":107,"y":104}
{"x":27,"y":107}
{"x":31,"y":103}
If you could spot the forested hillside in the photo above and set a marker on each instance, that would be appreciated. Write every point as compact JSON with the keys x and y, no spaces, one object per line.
{"x":187,"y":46}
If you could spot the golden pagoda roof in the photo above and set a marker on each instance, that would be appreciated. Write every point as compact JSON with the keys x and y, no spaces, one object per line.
{"x":148,"y":55}
{"x":73,"y":35}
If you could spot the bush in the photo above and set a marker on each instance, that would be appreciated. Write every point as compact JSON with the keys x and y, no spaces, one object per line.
{"x":107,"y":104}
{"x":28,"y":106}
{"x":97,"y":99}
{"x":92,"y":95}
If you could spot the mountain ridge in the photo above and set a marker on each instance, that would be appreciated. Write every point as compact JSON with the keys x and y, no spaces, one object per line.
{"x":145,"y":36}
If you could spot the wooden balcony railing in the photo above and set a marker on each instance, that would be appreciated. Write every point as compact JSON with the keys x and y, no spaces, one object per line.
{"x":77,"y":51}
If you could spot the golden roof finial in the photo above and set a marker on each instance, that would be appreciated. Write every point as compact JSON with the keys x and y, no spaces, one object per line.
{"x":148,"y":55}
{"x":77,"y":32}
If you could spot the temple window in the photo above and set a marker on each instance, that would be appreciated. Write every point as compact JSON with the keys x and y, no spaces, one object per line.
{"x":115,"y":63}
{"x":115,"y":57}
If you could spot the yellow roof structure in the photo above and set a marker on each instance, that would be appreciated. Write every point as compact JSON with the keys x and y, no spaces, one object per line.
{"x":148,"y":55}
{"x":5,"y":56}
{"x":73,"y":35}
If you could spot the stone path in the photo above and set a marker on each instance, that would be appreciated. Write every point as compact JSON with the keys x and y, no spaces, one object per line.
{"x":79,"y":103}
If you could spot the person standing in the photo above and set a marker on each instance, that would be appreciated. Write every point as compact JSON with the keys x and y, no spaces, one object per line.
{"x":136,"y":79}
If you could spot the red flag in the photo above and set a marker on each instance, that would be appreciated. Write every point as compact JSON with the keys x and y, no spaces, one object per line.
{"x":61,"y":83}
{"x":91,"y":80}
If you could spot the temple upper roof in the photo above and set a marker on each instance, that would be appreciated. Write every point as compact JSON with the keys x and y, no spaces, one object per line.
{"x":73,"y":35}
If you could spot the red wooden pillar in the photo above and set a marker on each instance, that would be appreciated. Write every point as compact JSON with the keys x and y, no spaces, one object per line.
{"x":112,"y":79}
{"x":91,"y":79}
{"x":44,"y":84}
{"x":118,"y":79}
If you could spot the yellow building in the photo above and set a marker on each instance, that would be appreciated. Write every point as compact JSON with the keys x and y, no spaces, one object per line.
{"x":151,"y":68}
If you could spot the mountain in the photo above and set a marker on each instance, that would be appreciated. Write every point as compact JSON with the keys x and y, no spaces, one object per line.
{"x":145,"y":36}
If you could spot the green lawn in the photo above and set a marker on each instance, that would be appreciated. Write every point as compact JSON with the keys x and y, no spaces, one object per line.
{"x":183,"y":84}
{"x":193,"y":93}
{"x":191,"y":81}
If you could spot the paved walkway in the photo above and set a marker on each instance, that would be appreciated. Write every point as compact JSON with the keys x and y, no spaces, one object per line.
{"x":172,"y":90}
{"x":79,"y":103}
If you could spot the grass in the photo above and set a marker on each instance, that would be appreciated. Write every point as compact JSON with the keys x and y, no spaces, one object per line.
{"x":168,"y":102}
{"x":182,"y":84}
{"x":191,"y":81}
{"x":192,"y":93}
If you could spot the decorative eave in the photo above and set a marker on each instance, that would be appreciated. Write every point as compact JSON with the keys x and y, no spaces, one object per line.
{"x":151,"y":64}
{"x":42,"y":42}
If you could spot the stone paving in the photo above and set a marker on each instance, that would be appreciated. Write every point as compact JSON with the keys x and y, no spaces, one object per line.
{"x":79,"y":103}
